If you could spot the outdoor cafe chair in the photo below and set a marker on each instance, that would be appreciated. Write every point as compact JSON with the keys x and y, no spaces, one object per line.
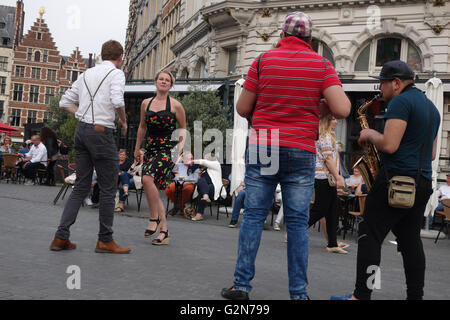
{"x":446,"y":218}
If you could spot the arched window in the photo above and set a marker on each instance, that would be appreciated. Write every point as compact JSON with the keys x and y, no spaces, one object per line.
{"x":201,"y":69}
{"x":37,"y":56}
{"x":381,"y":50}
{"x":322,"y":49}
{"x":185,"y":73}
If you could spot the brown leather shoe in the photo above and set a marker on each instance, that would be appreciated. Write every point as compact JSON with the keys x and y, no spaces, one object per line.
{"x":110,"y":247}
{"x":59,"y":245}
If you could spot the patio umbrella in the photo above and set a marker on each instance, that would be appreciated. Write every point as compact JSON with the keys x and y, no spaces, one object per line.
{"x":6,"y":128}
{"x":240,"y":133}
{"x":435,"y":92}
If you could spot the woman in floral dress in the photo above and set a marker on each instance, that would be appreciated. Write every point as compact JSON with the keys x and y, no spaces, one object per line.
{"x":159,"y":117}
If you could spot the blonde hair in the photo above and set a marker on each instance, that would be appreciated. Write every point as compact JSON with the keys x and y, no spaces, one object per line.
{"x":7,"y":138}
{"x":172,"y":78}
{"x":325,"y":127}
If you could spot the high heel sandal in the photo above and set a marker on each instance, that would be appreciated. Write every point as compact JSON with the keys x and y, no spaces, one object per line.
{"x":165,"y":241}
{"x":151,"y":233}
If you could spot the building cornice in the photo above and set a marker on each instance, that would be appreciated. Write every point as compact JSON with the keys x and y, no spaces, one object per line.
{"x":197,"y":33}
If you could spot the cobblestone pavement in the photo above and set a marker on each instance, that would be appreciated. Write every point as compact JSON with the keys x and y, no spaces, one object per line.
{"x":198,"y":262}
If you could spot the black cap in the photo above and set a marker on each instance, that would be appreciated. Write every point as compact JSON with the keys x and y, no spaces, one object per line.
{"x":395,"y":69}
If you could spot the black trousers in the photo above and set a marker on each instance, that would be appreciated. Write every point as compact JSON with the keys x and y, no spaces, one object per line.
{"x":325,"y":205}
{"x":379,"y":219}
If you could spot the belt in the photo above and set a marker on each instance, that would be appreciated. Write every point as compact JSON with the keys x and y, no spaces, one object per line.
{"x":90,"y":125}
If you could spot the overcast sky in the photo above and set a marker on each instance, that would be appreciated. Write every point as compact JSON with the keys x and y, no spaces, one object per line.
{"x":82,"y":23}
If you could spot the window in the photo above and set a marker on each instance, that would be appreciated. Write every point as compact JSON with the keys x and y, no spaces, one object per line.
{"x":29,"y":54}
{"x":68,"y":74}
{"x":362,"y":63}
{"x":74,"y":76}
{"x":36,"y":73}
{"x":18,"y":92}
{"x":49,"y":94}
{"x":3,"y":63}
{"x":32,"y":116}
{"x":2,"y":85}
{"x":45,"y":56}
{"x":39,"y":36}
{"x":379,"y":51}
{"x":232,"y":61}
{"x":51,"y":75}
{"x":413,"y":57}
{"x":2,"y":25}
{"x":388,"y":49}
{"x":37,"y":56}
{"x":1,"y":109}
{"x":322,"y":49}
{"x":15,"y":117}
{"x":63,"y":90}
{"x":48,"y":116}
{"x":6,"y":41}
{"x":34,"y":94}
{"x":20,"y":72}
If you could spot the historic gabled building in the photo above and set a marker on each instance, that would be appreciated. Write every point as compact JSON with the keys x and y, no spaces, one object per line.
{"x":39,"y":73}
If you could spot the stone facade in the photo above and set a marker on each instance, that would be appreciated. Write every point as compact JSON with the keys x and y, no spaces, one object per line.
{"x":11,"y":19}
{"x":217,"y":39}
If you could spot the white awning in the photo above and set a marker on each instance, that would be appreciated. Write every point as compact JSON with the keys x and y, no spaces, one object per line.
{"x":145,"y":88}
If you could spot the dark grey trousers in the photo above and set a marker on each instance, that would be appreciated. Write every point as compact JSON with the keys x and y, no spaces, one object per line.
{"x":99,"y":151}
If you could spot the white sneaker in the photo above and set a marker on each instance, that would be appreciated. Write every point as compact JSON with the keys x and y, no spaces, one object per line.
{"x":29,"y":183}
{"x":336,"y":250}
{"x":88,"y":202}
{"x":276,"y":226}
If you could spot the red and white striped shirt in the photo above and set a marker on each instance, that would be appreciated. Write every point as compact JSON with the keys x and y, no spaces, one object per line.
{"x":292,"y":78}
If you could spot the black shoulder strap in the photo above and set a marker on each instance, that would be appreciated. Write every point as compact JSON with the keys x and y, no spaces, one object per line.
{"x":168,"y":104}
{"x":425,"y":143}
{"x":258,"y":63}
{"x":150,"y":103}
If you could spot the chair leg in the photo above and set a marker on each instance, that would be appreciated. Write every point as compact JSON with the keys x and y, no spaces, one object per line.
{"x":68,"y":186}
{"x":218,"y":207}
{"x":59,"y":194}
{"x":210,"y":209}
{"x":437,"y":238}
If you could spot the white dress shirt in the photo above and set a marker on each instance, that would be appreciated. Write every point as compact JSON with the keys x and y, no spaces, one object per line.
{"x":109,"y":97}
{"x":38,"y":154}
{"x":444,"y":192}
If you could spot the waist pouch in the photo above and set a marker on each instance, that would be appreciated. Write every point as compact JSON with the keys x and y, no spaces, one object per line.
{"x":402,"y":192}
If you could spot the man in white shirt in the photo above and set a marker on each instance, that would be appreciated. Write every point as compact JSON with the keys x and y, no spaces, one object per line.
{"x":34,"y":160}
{"x":94,"y":99}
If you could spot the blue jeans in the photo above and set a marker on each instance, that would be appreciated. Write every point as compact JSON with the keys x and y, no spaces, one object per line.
{"x":238,"y":205}
{"x":295,"y":173}
{"x":126,"y":180}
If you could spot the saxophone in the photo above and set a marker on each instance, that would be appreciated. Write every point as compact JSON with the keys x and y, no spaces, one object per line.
{"x":369,"y":163}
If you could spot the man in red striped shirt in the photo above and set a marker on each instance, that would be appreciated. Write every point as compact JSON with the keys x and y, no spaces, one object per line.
{"x":286,"y":92}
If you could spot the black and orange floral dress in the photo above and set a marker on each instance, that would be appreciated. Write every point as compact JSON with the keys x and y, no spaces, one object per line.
{"x":158,"y":158}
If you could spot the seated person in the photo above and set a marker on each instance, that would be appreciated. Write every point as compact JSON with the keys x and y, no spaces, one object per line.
{"x":443,"y":193}
{"x":361,"y":189}
{"x":34,"y":160}
{"x":354,"y":180}
{"x":238,"y":205}
{"x":124,"y":162}
{"x":24,"y":149}
{"x":130,"y":180}
{"x":185,"y":170}
{"x":209,"y":184}
{"x":93,"y":194}
{"x":7,"y":147}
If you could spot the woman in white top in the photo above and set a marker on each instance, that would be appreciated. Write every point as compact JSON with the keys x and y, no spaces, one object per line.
{"x":209,"y":184}
{"x":327,"y":161}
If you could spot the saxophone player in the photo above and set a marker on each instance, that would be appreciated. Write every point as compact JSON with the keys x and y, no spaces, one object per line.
{"x":412,"y":122}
